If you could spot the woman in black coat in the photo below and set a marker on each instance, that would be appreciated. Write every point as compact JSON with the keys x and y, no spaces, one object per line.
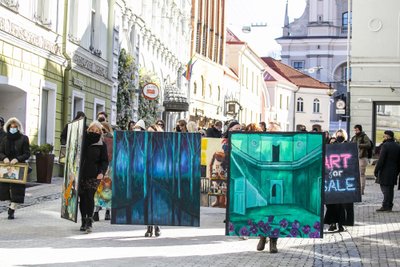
{"x":14,"y":148}
{"x":94,"y":166}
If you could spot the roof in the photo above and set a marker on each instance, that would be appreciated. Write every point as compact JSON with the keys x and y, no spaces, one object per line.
{"x":231,"y":37}
{"x":294,"y":76}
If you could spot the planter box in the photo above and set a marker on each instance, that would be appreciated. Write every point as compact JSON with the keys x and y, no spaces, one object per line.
{"x":44,"y":167}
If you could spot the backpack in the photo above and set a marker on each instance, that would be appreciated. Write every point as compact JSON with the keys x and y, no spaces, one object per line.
{"x":371,"y":150}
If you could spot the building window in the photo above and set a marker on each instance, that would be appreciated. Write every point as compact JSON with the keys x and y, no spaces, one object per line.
{"x":78,"y":103}
{"x":219,"y":93}
{"x":287,"y":102}
{"x":345,"y":21}
{"x":195,"y":88}
{"x":300,"y":104}
{"x":43,"y":12}
{"x":280,"y":101}
{"x":47,"y":113}
{"x":316,"y":105}
{"x":210,"y":89}
{"x":203,"y":87}
{"x":298,"y":65}
{"x":99,"y":105}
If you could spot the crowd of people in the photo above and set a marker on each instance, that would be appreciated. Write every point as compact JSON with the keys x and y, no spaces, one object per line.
{"x":14,"y":148}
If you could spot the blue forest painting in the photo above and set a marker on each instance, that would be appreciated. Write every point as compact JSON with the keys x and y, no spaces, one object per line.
{"x":275,"y":185}
{"x":156,"y":178}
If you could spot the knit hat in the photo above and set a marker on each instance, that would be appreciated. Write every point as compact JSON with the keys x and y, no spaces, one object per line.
{"x":389,"y":133}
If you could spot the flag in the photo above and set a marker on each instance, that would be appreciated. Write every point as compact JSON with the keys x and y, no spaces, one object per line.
{"x":189,"y":69}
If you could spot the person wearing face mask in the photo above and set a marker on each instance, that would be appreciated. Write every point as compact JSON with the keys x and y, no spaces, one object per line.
{"x":102,"y":116}
{"x":94,"y":166}
{"x":340,"y":214}
{"x":215,"y":131}
{"x":13,"y":149}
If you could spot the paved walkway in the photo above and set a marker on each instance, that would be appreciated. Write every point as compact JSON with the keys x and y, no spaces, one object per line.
{"x":39,"y":237}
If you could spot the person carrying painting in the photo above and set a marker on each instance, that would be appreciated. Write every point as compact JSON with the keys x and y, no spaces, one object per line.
{"x":157,"y":127}
{"x":273,"y":127}
{"x":104,"y":192}
{"x":336,"y":213}
{"x":64,"y":133}
{"x":94,"y":166}
{"x":13,"y":149}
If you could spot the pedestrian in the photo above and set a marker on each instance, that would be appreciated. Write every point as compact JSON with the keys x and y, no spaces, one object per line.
{"x":103,"y":193}
{"x":102,"y":116}
{"x":192,"y":127}
{"x":139,"y":126}
{"x":150,"y":228}
{"x":263,"y":126}
{"x":131,"y":125}
{"x":63,"y":138}
{"x":181,"y":126}
{"x":161,"y":124}
{"x":215,"y":131}
{"x":273,"y":127}
{"x":2,"y":132}
{"x":336,"y":213}
{"x":364,"y":143}
{"x":387,"y":170}
{"x":93,"y":169}
{"x":13,"y":149}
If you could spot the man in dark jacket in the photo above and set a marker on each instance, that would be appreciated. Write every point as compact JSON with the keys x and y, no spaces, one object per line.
{"x":387,"y":169}
{"x":364,"y":144}
{"x":215,"y":130}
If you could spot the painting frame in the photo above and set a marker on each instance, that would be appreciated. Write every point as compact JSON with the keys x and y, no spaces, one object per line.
{"x":72,"y":169}
{"x":275,"y":223}
{"x":20,"y":174}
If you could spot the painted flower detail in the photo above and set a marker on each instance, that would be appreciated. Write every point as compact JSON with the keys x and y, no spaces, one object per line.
{"x":275,"y":233}
{"x":314,"y":235}
{"x":296,"y":224}
{"x":244,"y":231}
{"x":261,"y":224}
{"x":253,"y":229}
{"x":306,"y":229}
{"x":231,"y":227}
{"x":294,"y":232}
{"x":249,"y":222}
{"x":317,"y":225}
{"x":266,"y":228}
{"x":284,"y":223}
{"x":271,"y":218}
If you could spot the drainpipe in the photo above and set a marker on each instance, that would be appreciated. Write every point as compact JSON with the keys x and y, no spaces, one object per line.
{"x":68,"y":68}
{"x":294,"y":109}
{"x":348,"y":100}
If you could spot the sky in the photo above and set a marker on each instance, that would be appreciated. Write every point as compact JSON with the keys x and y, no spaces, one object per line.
{"x":240,"y":13}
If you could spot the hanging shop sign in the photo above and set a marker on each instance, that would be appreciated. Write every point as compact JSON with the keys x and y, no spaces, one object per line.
{"x":151,"y":91}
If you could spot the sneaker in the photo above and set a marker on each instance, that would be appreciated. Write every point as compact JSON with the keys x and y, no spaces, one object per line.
{"x":332,"y":227}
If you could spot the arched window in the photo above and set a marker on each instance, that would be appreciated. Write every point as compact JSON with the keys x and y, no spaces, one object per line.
{"x":203,"y":87}
{"x":219,"y":93}
{"x":300,"y":105}
{"x":210,"y":87}
{"x":316,"y":105}
{"x":195,"y":88}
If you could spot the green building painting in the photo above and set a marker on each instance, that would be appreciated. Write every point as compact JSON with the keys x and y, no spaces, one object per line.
{"x":275,"y":185}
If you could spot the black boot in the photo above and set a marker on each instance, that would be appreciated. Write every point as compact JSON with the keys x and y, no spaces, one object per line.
{"x":83,"y":226}
{"x":261,"y":243}
{"x":107,"y":217}
{"x":89,"y":221}
{"x":272,"y":245}
{"x":11,"y":214}
{"x":149,"y":232}
{"x":96,"y":216}
{"x":157,"y":231}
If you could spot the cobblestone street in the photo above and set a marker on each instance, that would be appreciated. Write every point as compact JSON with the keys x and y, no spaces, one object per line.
{"x":39,"y":237}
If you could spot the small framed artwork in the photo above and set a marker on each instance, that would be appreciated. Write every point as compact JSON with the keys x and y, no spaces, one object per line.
{"x":17,"y":173}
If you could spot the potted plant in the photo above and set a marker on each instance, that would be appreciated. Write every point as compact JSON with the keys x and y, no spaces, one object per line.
{"x":44,"y":162}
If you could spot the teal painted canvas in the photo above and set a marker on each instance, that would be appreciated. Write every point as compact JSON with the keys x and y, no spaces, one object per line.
{"x":275,"y":185}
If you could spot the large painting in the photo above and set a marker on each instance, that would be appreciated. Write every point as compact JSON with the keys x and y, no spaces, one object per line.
{"x":214,"y":171}
{"x":156,"y":178}
{"x":342,"y":175}
{"x":72,"y":168}
{"x":275,"y":185}
{"x":103,"y":195}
